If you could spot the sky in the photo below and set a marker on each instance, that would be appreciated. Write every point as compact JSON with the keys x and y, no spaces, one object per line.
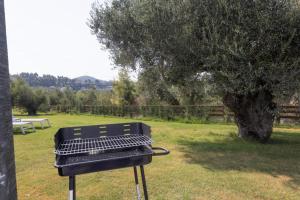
{"x":52,"y":37}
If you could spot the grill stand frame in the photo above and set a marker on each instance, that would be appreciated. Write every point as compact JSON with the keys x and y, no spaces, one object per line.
{"x":144,"y":182}
{"x":72,"y":188}
{"x":72,"y":184}
{"x":136,"y":180}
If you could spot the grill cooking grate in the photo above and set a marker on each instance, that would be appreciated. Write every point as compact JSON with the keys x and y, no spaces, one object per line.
{"x":95,"y":145}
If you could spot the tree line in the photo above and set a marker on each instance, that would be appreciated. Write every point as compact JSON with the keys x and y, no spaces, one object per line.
{"x":34,"y":80}
{"x":147,"y":90}
{"x":148,"y":96}
{"x":42,"y":99}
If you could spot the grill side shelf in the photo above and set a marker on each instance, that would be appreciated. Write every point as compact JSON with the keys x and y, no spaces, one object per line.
{"x":96,"y":145}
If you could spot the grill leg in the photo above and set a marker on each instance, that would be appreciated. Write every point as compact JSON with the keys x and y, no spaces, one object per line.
{"x":136,"y":179}
{"x":72,"y":188}
{"x":144,"y":182}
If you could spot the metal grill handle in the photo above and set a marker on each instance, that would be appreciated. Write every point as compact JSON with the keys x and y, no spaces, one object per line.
{"x":162,"y":151}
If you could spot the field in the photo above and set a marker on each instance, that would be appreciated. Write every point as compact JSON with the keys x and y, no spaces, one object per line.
{"x":207,"y":161}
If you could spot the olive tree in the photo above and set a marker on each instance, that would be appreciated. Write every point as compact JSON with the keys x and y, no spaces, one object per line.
{"x":32,"y":100}
{"x":249,"y":48}
{"x":154,"y":89}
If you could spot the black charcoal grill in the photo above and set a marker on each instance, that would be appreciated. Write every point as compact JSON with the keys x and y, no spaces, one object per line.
{"x":89,"y":149}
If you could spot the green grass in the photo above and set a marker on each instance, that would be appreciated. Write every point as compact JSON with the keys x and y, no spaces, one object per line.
{"x":207,"y":161}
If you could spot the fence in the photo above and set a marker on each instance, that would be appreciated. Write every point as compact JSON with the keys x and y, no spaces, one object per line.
{"x":203,"y":112}
{"x":164,"y":112}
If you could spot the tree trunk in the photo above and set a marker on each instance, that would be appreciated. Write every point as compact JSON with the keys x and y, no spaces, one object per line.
{"x":254,"y":114}
{"x":31,"y":112}
{"x":8,"y":189}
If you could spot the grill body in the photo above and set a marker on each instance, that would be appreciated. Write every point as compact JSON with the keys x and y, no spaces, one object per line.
{"x":86,"y":149}
{"x":70,"y":166}
{"x":76,"y":154}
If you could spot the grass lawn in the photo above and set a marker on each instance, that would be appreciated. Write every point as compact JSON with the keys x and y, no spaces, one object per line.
{"x":207,"y":161}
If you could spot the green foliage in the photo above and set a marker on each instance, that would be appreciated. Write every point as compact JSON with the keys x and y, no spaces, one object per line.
{"x":42,"y":100}
{"x":55,"y":96}
{"x":65,"y":100}
{"x":86,"y":98}
{"x":104,"y":97}
{"x":154,"y":89}
{"x":247,"y":46}
{"x":123,"y":90}
{"x":29,"y":99}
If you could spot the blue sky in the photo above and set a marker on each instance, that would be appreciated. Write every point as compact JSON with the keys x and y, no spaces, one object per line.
{"x":51,"y":37}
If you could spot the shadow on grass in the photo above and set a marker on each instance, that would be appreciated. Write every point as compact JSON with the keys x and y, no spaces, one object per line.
{"x":279,"y":158}
{"x":37,"y":115}
{"x":17,"y":131}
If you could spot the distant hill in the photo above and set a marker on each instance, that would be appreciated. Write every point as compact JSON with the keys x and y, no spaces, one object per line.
{"x":83,"y":79}
{"x":79,"y":83}
{"x":88,"y":81}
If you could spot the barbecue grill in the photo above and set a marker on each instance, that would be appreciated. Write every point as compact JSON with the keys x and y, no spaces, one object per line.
{"x":87,"y":149}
